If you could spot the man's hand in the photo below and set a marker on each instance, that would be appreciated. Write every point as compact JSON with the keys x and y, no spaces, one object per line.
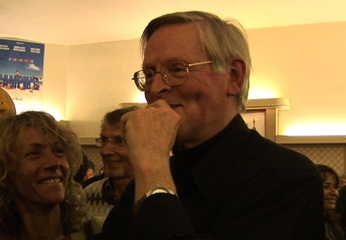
{"x":150,"y":134}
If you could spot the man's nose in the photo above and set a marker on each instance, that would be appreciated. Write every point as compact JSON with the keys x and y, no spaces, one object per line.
{"x":159,"y":85}
{"x":108,"y":148}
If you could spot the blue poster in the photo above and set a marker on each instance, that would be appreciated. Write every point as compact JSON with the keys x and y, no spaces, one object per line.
{"x":21,"y":65}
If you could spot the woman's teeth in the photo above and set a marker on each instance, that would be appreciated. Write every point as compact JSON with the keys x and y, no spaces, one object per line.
{"x":53,"y":180}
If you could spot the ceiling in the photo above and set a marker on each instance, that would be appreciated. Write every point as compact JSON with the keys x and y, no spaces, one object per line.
{"x":72,"y":22}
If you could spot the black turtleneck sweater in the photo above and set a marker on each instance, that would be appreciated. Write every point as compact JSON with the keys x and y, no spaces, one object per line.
{"x":237,"y":185}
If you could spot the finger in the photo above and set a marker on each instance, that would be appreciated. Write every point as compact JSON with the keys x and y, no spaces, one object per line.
{"x":158,"y":104}
{"x":123,"y":121}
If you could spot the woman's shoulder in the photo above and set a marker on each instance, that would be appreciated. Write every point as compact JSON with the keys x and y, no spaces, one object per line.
{"x":92,"y":227}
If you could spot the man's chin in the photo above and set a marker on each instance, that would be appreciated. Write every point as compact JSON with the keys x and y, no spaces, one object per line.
{"x":114,"y":174}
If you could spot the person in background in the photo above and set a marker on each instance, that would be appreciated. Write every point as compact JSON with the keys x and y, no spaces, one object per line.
{"x":224,"y":180}
{"x":341,"y":207}
{"x":342,"y":179}
{"x":90,"y":170}
{"x":93,"y":179}
{"x":82,"y":171}
{"x":7,"y":106}
{"x":331,"y":194}
{"x":38,"y":197}
{"x":102,"y":195}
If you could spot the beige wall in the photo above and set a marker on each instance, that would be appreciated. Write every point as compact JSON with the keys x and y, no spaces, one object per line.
{"x":303,"y":63}
{"x":56,"y":69}
{"x":100,"y":78}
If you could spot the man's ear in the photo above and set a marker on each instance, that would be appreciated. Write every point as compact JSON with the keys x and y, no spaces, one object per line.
{"x":237,"y":72}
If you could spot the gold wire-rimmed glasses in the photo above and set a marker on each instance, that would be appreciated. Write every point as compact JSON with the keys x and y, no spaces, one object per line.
{"x":173,"y":73}
{"x":117,"y":141}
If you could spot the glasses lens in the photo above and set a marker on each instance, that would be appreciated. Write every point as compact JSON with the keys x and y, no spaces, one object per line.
{"x":119,"y":142}
{"x":176,"y":72}
{"x":139,"y":78}
{"x":98,"y":142}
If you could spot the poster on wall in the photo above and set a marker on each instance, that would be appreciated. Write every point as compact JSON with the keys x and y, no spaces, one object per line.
{"x":21,"y":72}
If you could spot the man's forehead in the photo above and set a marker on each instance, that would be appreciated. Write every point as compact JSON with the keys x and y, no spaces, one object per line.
{"x":183,"y":44}
{"x":108,"y":128}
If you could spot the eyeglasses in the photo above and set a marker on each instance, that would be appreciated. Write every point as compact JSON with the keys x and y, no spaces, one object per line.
{"x":119,"y":142}
{"x":173,"y":73}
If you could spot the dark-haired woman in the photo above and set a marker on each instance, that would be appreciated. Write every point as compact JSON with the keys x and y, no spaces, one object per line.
{"x":331,"y":194}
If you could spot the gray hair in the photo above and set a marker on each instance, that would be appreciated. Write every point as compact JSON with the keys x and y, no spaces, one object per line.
{"x":114,"y":117}
{"x":222,"y":40}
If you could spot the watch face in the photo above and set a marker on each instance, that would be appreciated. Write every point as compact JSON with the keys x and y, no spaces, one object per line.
{"x":159,"y":191}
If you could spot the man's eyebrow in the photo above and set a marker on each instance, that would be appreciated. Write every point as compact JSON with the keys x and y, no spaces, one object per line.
{"x":168,"y":60}
{"x":148,"y":66}
{"x":117,"y":136}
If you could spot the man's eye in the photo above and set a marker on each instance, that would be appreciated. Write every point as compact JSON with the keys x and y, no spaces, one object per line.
{"x":148,"y":74}
{"x":178,"y":69}
{"x":104,"y":140}
{"x":120,"y":140}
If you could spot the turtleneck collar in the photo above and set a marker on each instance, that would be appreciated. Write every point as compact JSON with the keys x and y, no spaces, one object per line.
{"x":187,"y":159}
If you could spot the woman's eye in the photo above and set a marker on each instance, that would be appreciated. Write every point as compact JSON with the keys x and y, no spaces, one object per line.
{"x":32,"y":154}
{"x":59,"y":151}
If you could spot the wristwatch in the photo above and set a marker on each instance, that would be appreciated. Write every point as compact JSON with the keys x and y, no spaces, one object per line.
{"x":154,"y":190}
{"x":158,"y":189}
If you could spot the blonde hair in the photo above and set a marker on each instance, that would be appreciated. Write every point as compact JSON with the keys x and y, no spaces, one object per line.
{"x":73,"y":207}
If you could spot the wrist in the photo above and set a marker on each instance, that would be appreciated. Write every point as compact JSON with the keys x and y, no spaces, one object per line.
{"x":155,"y":190}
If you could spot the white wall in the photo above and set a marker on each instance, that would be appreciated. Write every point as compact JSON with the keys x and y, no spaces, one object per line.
{"x":303,"y":63}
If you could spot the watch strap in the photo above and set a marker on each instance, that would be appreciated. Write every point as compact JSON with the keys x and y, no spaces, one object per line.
{"x":157,"y":189}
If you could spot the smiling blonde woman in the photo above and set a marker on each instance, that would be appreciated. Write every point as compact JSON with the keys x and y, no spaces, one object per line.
{"x":38,"y":196}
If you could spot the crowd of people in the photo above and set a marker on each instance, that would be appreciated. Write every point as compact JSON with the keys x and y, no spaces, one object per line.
{"x":184,"y":167}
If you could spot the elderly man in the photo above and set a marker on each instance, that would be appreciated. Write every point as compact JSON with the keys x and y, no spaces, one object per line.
{"x":223,"y":181}
{"x":104,"y":194}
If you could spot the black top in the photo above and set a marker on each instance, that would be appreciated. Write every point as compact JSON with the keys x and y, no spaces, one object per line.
{"x":237,"y":185}
{"x":341,"y":207}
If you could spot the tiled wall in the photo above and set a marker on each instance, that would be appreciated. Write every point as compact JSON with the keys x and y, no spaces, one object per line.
{"x":93,"y":153}
{"x":332,"y":155}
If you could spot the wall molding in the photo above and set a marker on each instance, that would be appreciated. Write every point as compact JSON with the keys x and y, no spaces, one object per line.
{"x":331,"y":139}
